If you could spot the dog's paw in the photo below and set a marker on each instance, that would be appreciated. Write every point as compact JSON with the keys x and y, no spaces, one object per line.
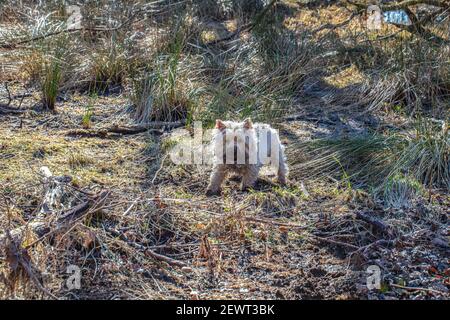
{"x":283,"y":182}
{"x":210,"y":193}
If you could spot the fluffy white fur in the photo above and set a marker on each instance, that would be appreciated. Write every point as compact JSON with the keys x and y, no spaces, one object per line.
{"x":243,"y":148}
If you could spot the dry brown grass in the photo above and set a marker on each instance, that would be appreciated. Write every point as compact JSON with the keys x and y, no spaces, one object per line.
{"x":299,"y":242}
{"x":263,"y":228}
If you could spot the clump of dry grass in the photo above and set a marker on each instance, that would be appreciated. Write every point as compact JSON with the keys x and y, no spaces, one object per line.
{"x":163,"y":89}
{"x":261,"y":78}
{"x":108,"y":66}
{"x":387,"y":164}
{"x":164,"y":93}
{"x":286,"y":58}
{"x":414,"y":74}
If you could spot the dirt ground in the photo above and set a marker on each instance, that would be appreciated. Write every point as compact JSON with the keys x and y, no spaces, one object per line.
{"x":305,"y":241}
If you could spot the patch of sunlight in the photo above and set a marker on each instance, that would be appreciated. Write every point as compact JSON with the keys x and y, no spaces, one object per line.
{"x":345,"y":77}
{"x":231,"y":25}
{"x":208,"y":35}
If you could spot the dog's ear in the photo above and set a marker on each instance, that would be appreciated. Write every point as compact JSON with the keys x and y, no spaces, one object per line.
{"x":248,"y":124}
{"x":220,"y":124}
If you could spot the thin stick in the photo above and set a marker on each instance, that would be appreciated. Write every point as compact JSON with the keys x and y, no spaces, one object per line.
{"x":417,"y":289}
{"x":160,"y":168}
{"x":335,"y":242}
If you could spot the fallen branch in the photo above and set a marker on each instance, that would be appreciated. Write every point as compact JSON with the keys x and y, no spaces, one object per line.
{"x":407,"y":3}
{"x":17,"y":255}
{"x":377,"y":224}
{"x":151,"y":127}
{"x":147,"y":251}
{"x":379,"y":243}
{"x":42,"y":229}
{"x":401,"y":4}
{"x":417,"y":26}
{"x":87,"y":133}
{"x":102,"y":133}
{"x":160,"y":257}
{"x":4,"y":110}
{"x":20,"y":263}
{"x":138,"y":128}
{"x":317,"y":4}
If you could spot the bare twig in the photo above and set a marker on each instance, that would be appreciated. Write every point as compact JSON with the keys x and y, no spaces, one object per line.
{"x":416,"y":289}
{"x":337,"y":25}
{"x":160,"y":168}
{"x":65,"y":220}
{"x":147,"y":251}
{"x":19,"y":258}
{"x":401,"y":4}
{"x":9,"y":94}
{"x":377,"y":224}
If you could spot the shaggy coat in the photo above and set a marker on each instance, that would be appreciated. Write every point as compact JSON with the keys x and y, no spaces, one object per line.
{"x":243,"y":148}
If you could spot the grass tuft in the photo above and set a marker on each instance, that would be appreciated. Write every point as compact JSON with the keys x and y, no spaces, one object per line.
{"x":386,"y":163}
{"x":50,"y":83}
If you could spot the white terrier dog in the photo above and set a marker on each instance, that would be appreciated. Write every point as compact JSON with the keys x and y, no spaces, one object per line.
{"x":243,"y":148}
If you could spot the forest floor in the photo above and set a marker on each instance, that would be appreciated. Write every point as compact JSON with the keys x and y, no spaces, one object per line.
{"x":305,"y":241}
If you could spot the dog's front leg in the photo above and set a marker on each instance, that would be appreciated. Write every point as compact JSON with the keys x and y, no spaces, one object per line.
{"x":216,"y":179}
{"x":249,"y":178}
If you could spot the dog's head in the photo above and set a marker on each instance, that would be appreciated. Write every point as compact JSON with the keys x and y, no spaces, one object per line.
{"x":234,"y":141}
